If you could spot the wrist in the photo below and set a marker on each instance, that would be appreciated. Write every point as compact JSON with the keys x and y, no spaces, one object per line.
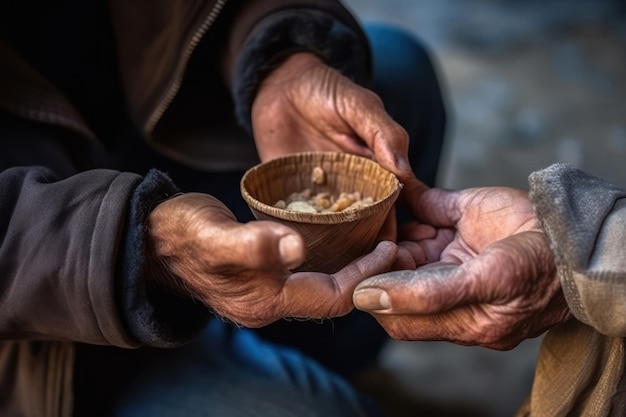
{"x":287,"y":33}
{"x":152,"y":315}
{"x":158,"y":227}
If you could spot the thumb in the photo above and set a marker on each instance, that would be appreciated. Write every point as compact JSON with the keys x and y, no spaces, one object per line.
{"x":426,"y":290}
{"x":497,"y":275}
{"x":314,"y":294}
{"x":260,"y":245}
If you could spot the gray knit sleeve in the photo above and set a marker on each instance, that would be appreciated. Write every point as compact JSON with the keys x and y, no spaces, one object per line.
{"x":584,"y":218}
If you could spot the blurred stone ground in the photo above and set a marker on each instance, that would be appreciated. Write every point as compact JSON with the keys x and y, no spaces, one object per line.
{"x":528,"y":83}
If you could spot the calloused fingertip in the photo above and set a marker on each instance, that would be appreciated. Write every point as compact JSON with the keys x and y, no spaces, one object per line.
{"x":387,"y":246}
{"x":386,"y":243}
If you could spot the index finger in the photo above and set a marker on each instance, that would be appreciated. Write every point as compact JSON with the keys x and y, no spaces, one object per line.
{"x":383,"y":135}
{"x":427,"y":290}
{"x":434,"y":206}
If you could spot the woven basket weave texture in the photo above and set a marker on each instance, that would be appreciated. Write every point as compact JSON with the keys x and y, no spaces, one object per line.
{"x":333,"y":239}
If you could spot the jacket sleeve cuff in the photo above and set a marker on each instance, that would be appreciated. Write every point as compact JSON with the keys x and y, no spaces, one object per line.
{"x":583,"y":218}
{"x":154,"y":316}
{"x":286,"y":32}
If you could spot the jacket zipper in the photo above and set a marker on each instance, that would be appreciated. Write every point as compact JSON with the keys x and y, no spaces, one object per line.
{"x":175,"y":84}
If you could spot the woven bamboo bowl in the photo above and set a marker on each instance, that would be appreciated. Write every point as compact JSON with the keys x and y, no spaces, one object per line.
{"x":335,"y":239}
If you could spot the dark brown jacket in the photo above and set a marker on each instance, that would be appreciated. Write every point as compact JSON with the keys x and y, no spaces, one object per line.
{"x":71,"y":262}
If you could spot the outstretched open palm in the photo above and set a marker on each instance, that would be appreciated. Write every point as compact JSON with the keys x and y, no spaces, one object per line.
{"x":488,"y":276}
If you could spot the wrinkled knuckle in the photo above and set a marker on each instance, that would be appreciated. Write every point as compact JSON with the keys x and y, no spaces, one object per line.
{"x":400,"y":133}
{"x":371,"y":100}
{"x":434,"y":301}
{"x":504,"y":343}
{"x":258,"y":247}
{"x":491,"y":335}
{"x":252,"y":240}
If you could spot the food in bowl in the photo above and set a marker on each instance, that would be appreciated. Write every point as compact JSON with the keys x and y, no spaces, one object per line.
{"x":323,"y":202}
{"x":333,"y":238}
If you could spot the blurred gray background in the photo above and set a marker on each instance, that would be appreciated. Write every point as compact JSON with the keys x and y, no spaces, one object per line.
{"x":527,"y":83}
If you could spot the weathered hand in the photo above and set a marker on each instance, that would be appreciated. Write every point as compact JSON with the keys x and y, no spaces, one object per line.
{"x":490,"y":278}
{"x":305,"y":105}
{"x":198,"y":249}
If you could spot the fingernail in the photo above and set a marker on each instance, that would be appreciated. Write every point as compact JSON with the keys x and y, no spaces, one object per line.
{"x":290,"y":251}
{"x":372,"y":299}
{"x":403,"y":163}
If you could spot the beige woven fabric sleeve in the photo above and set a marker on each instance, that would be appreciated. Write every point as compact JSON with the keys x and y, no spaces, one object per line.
{"x":577,"y":374}
{"x":581,"y":362}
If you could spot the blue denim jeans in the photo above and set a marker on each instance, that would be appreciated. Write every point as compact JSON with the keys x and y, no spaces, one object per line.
{"x":226,"y":371}
{"x":290,"y":368}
